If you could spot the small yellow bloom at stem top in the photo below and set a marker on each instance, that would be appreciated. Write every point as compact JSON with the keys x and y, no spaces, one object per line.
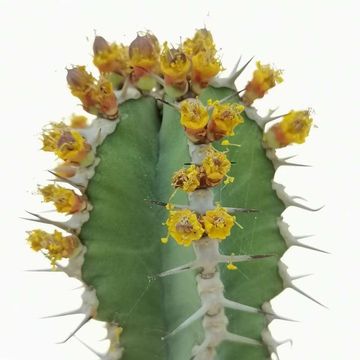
{"x":69,"y":145}
{"x":216,"y":166}
{"x":111,"y":57}
{"x":175,"y":66}
{"x":187,"y":179}
{"x":218,"y":223}
{"x":202,"y":41}
{"x":65,"y":200}
{"x":202,"y":52}
{"x":96,"y":96}
{"x":223,"y":120}
{"x":55,"y":245}
{"x":184,"y":226}
{"x":194,"y":118}
{"x":264,"y":78}
{"x":231,"y":266}
{"x":293,"y":128}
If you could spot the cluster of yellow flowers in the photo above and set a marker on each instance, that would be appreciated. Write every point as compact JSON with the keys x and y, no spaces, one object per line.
{"x":185,"y":226}
{"x":55,"y":245}
{"x":66,"y":142}
{"x":182,"y":70}
{"x":204,"y":124}
{"x":211,"y":172}
{"x":96,"y":96}
{"x":143,"y":60}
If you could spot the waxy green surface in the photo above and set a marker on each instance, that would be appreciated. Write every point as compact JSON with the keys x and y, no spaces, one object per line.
{"x":123,"y":235}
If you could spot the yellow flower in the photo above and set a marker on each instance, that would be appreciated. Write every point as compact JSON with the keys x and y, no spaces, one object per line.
{"x":193,"y":114}
{"x":50,"y":137}
{"x":65,"y":200}
{"x":231,"y":266}
{"x":184,"y":226}
{"x":296,"y":126}
{"x":205,"y":66}
{"x":56,"y":245}
{"x":187,"y":179}
{"x":67,"y":144}
{"x":216,"y":166}
{"x":72,"y":147}
{"x":80,"y":81}
{"x":264,"y":78}
{"x":202,"y":41}
{"x":111,"y":57}
{"x":174,"y":63}
{"x":97,"y":97}
{"x":293,"y":128}
{"x":224,"y":119}
{"x":218,"y":223}
{"x":202,"y":52}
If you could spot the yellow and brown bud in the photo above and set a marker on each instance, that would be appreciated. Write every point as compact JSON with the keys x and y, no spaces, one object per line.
{"x":264,"y":78}
{"x":187,"y":179}
{"x":175,"y":67}
{"x":68,"y":144}
{"x":202,"y":52}
{"x":65,"y":200}
{"x":293,"y":128}
{"x":100,"y":45}
{"x":97,"y":97}
{"x":111,"y":58}
{"x":223,"y":120}
{"x":144,"y":54}
{"x":215,"y":167}
{"x":194,"y":118}
{"x":55,"y":245}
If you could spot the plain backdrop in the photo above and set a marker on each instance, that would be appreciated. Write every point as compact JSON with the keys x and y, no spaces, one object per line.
{"x":315,"y":42}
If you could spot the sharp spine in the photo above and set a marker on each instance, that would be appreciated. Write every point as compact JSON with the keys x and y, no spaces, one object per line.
{"x":241,"y":258}
{"x":189,"y":266}
{"x":66,"y":313}
{"x":43,"y":220}
{"x":195,"y":316}
{"x":233,"y":210}
{"x":288,"y":283}
{"x":86,"y":319}
{"x":241,"y":339}
{"x":59,"y":178}
{"x":237,"y":73}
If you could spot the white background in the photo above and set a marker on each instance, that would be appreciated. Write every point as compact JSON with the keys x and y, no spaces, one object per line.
{"x":315,"y":42}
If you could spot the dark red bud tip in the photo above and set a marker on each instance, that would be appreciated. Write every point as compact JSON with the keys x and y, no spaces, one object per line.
{"x":74,"y":77}
{"x":144,"y":44}
{"x":100,"y":44}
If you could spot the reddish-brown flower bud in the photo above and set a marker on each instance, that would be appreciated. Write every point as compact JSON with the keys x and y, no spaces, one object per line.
{"x":100,"y":44}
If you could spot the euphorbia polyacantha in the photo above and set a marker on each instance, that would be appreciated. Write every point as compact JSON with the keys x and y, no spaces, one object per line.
{"x":166,"y":213}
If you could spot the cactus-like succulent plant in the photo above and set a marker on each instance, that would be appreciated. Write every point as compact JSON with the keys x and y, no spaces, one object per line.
{"x":171,"y":196}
